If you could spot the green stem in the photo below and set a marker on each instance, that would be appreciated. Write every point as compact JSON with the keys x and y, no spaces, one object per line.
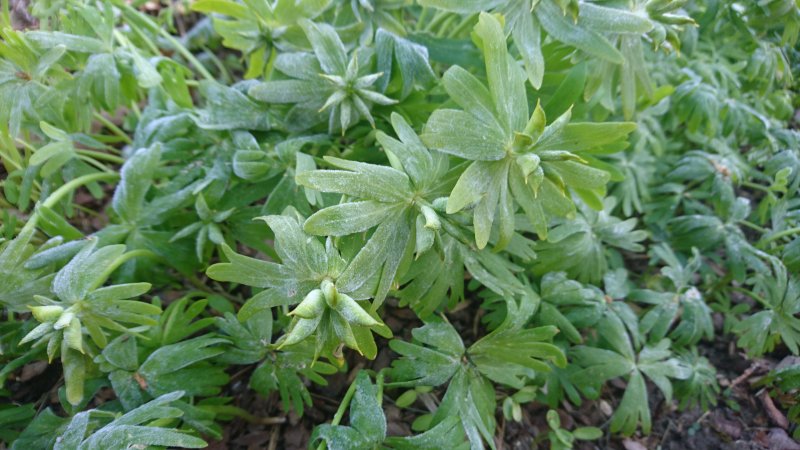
{"x":465,"y":24}
{"x":781,"y":234}
{"x":71,"y":185}
{"x":126,"y":8}
{"x":65,"y":189}
{"x":445,"y":25}
{"x":94,"y":163}
{"x":337,"y":418}
{"x":750,"y":184}
{"x":437,"y":19}
{"x":239,"y":412}
{"x":100,"y":155}
{"x":422,"y":16}
{"x":113,"y":128}
{"x":125,"y":257}
{"x":379,"y":382}
{"x":749,"y":224}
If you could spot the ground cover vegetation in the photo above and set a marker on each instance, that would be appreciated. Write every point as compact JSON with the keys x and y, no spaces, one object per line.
{"x":430,"y":224}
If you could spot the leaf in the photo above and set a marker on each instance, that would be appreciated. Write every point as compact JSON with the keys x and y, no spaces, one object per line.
{"x":85,"y":272}
{"x":289,"y":91}
{"x":511,"y":355}
{"x":246,"y":270}
{"x":461,"y":134}
{"x":228,"y":109}
{"x":225,"y":7}
{"x":563,"y":30}
{"x":527,"y":36}
{"x":505,"y":79}
{"x":329,"y":49}
{"x":462,"y":6}
{"x":367,"y":181}
{"x":72,"y":42}
{"x":135,"y":180}
{"x":446,"y":434}
{"x":633,"y":409}
{"x":471,"y":95}
{"x":433,"y":362}
{"x":367,"y":423}
{"x":579,"y":137}
{"x":615,"y":20}
{"x":412,"y":62}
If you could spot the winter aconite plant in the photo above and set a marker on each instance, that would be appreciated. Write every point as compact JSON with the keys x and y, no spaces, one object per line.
{"x":397,"y":224}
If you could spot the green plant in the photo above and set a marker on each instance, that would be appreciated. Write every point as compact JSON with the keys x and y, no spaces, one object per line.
{"x":467,"y":206}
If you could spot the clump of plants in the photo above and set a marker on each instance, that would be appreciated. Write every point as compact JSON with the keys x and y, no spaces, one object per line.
{"x":215,"y":190}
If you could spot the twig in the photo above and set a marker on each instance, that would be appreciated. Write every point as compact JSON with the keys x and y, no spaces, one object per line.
{"x":772,"y":411}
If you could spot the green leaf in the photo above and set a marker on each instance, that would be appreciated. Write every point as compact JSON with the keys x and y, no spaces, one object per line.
{"x":633,"y":408}
{"x":246,"y":270}
{"x":83,"y":44}
{"x":471,"y":95}
{"x":85,"y":272}
{"x":289,"y":91}
{"x":431,"y":362}
{"x":564,"y":30}
{"x":461,"y":134}
{"x":225,"y":7}
{"x":367,"y":423}
{"x":613,"y":20}
{"x":136,"y":175}
{"x":228,"y":109}
{"x":505,"y":78}
{"x":327,"y":45}
{"x":579,"y":137}
{"x":462,"y":6}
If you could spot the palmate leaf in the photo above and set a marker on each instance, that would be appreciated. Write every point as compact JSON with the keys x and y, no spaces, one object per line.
{"x":184,"y":364}
{"x":580,"y":246}
{"x":583,"y":27}
{"x":511,"y":355}
{"x":779,"y":295}
{"x":334,"y":292}
{"x":128,"y":430}
{"x":21,"y":284}
{"x":411,"y":61}
{"x":684,"y":305}
{"x":519,"y":160}
{"x":600,"y":365}
{"x":84,"y":309}
{"x":329,"y":81}
{"x":398,"y":200}
{"x":367,"y":423}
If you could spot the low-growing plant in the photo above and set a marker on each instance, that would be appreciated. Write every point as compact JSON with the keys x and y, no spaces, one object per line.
{"x":475,"y":211}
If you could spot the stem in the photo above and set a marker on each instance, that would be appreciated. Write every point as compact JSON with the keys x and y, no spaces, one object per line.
{"x":749,"y":224}
{"x":437,"y":19}
{"x":781,"y":234}
{"x":465,"y":24}
{"x":445,"y":25}
{"x":125,"y":257}
{"x":65,"y":189}
{"x":94,"y":163}
{"x":100,"y":155}
{"x":113,"y":128}
{"x":239,"y":412}
{"x":379,"y":382}
{"x":337,"y":418}
{"x":194,"y":281}
{"x":421,"y":19}
{"x":169,"y":38}
{"x":750,"y":184}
